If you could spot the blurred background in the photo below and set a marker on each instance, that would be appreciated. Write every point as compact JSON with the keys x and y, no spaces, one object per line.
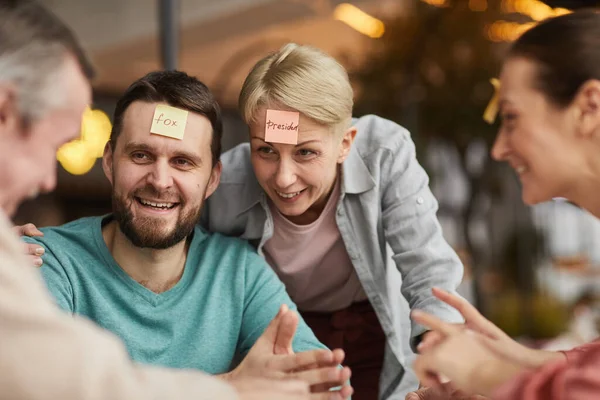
{"x":426,"y":64}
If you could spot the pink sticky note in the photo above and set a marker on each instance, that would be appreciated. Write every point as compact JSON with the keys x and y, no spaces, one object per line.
{"x":282,"y":126}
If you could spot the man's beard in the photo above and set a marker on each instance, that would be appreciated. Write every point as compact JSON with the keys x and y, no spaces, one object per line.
{"x":147,"y":232}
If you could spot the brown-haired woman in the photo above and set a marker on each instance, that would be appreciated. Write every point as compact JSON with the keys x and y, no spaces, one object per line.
{"x":550,"y":134}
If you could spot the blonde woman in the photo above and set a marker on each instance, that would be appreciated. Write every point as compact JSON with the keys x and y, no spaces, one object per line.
{"x":344,"y":216}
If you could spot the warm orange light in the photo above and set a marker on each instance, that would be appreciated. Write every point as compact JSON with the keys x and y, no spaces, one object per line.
{"x":359,"y":20}
{"x":504,"y":31}
{"x":437,"y":3}
{"x":478,"y":5}
{"x":534,"y":9}
{"x":95,"y":130}
{"x":75,"y":157}
{"x":79,"y":156}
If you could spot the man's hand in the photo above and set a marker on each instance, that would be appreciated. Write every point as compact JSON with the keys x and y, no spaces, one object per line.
{"x":272,"y":357}
{"x":443,"y":392}
{"x":34,"y":251}
{"x":270,"y":389}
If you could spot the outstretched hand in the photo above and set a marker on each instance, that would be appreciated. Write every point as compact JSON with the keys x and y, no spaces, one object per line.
{"x":272,"y":356}
{"x":463,"y":357}
{"x":493,"y":337}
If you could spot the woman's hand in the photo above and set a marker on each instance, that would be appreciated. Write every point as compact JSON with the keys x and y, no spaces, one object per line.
{"x":493,"y":337}
{"x":462,"y":356}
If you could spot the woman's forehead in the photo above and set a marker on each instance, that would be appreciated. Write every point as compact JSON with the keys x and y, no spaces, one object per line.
{"x":306,"y":125}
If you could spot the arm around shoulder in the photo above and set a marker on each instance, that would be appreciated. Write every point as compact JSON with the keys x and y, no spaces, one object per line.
{"x":55,"y":276}
{"x":46,"y":354}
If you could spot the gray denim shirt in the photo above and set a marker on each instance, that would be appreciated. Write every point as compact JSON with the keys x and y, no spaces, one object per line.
{"x":386,"y":215}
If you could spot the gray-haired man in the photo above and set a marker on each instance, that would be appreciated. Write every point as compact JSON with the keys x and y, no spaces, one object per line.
{"x":44,"y":89}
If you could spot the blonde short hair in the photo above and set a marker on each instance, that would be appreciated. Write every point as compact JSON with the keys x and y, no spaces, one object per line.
{"x":302,"y":78}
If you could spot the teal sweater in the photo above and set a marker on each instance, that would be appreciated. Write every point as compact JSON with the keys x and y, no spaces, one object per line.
{"x":225,"y":299}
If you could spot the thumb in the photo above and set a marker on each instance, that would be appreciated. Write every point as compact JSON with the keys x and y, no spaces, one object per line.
{"x":270,"y":334}
{"x":441,"y":392}
{"x":285,"y":334}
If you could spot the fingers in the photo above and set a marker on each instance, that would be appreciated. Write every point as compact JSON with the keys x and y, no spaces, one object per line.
{"x":426,"y":393}
{"x":345,"y":390}
{"x":285,"y":334}
{"x":434,"y":394}
{"x":443,"y":392}
{"x":302,"y":361}
{"x":418,"y":395}
{"x":427,"y":376}
{"x":36,"y":261}
{"x":270,"y":334}
{"x":34,"y":251}
{"x":471,"y":315}
{"x":430,"y":340}
{"x":268,"y":389}
{"x":344,"y":393}
{"x":323,"y":379}
{"x":464,"y":307}
{"x":280,"y":385}
{"x":334,"y":390}
{"x":434,"y":323}
{"x":288,"y":386}
{"x":338,"y":356}
{"x":27,"y":230}
{"x":282,"y":310}
{"x":338,"y":359}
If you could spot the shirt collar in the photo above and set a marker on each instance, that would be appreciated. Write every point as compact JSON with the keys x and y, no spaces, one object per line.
{"x":355,"y":174}
{"x":253,"y":193}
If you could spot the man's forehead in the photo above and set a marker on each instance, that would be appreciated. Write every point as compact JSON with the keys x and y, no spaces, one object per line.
{"x":138,"y":116}
{"x":138,"y":122}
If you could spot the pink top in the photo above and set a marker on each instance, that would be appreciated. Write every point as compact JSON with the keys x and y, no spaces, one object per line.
{"x":312,"y":261}
{"x":577,"y":377}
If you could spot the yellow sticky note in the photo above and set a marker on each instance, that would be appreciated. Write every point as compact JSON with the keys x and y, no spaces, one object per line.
{"x":489,"y":115}
{"x":282,"y":126}
{"x":169,"y":121}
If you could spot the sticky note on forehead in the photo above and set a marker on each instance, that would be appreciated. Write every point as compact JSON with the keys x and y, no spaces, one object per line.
{"x":282,"y":126}
{"x":169,"y":121}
